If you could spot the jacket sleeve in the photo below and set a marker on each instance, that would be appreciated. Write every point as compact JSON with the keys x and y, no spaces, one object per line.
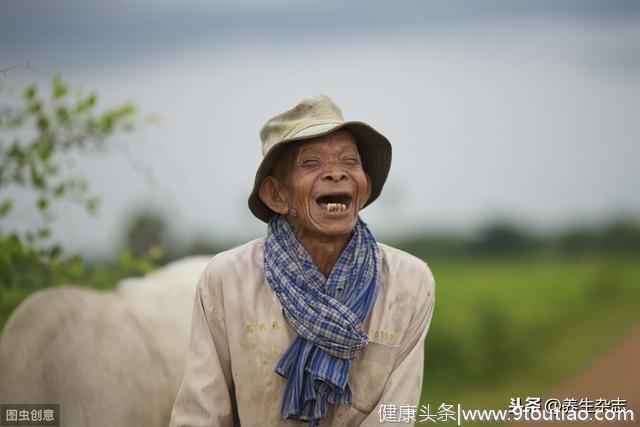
{"x":206,"y":396}
{"x":404,"y":386}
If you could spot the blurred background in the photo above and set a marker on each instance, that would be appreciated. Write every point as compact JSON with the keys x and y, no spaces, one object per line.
{"x":515,"y":173}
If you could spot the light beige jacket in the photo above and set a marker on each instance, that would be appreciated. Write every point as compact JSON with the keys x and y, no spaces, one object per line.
{"x":239,"y":333}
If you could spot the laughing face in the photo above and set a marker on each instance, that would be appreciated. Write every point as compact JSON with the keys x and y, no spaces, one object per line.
{"x":320,"y":186}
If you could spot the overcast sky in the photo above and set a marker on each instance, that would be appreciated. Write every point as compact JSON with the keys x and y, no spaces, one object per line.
{"x":525,"y":110}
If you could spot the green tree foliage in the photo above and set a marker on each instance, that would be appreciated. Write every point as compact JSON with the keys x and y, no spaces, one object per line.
{"x":39,"y":130}
{"x":502,"y":238}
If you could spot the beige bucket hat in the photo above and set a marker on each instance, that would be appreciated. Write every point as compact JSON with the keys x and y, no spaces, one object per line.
{"x":314,"y":117}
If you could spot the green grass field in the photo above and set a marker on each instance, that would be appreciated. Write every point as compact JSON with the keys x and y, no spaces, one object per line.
{"x":508,"y":327}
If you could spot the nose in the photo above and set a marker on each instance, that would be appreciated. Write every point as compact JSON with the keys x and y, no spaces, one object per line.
{"x":334,"y":173}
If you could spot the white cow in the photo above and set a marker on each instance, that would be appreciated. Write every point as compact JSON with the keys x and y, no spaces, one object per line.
{"x":109,"y":358}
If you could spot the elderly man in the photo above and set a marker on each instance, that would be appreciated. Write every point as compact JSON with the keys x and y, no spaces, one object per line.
{"x":316,"y":322}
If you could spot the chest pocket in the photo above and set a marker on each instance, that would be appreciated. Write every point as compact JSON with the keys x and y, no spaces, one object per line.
{"x":369,"y":373}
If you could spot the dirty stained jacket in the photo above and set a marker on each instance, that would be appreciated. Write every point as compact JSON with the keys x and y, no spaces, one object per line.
{"x":239,"y":333}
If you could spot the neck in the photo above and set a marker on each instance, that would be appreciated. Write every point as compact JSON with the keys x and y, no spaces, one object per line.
{"x":324,"y":250}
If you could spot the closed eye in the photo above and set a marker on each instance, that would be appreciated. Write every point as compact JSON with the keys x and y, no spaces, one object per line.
{"x":310,"y":163}
{"x":352,"y":161}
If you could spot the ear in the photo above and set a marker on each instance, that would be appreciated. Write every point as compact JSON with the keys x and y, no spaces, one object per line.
{"x":274,"y":195}
{"x":367,"y":191}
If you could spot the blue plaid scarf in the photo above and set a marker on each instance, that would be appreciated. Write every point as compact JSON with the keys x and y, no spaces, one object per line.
{"x":327,"y":315}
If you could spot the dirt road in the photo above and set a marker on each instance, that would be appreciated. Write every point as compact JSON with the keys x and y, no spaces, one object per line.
{"x":614,"y":375}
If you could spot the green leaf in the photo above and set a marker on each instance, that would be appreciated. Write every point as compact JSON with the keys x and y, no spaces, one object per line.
{"x":5,"y":207}
{"x":45,"y":149}
{"x":59,"y":190}
{"x":106,"y":123}
{"x":126,"y":260}
{"x":59,"y":88}
{"x":55,"y":251}
{"x":86,"y":104}
{"x":35,"y":107}
{"x":37,"y":180}
{"x":43,"y":204}
{"x":16,"y":152}
{"x":62,"y":115}
{"x":30,"y":92}
{"x":93,"y":204}
{"x":75,"y":266}
{"x":43,"y":232}
{"x":43,"y":123}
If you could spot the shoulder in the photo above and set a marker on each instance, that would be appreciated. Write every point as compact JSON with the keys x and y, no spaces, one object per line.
{"x":397,"y":261}
{"x":243,"y":256}
{"x":235,"y":262}
{"x":404,"y":270}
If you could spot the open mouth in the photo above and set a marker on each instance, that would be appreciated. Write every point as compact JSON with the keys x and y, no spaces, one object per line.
{"x":334,"y":202}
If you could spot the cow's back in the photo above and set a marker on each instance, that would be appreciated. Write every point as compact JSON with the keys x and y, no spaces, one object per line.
{"x":108,"y":358}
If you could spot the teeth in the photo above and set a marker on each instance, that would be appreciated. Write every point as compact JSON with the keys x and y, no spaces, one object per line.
{"x":333,"y":207}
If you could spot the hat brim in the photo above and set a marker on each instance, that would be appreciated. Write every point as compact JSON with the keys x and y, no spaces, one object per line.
{"x":374,"y":149}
